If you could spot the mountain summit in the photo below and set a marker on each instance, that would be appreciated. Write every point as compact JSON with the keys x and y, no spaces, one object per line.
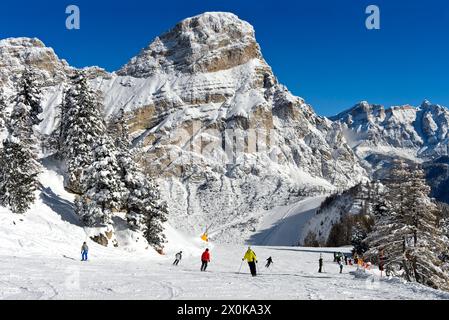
{"x":209,"y":42}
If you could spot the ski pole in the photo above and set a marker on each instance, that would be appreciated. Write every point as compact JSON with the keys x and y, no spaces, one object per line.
{"x":241,"y":264}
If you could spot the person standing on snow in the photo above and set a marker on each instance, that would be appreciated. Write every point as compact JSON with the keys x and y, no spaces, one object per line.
{"x":341,"y":265}
{"x":251,"y":257}
{"x":269,"y":262}
{"x":178,"y":258}
{"x":84,"y":251}
{"x":320,"y":264}
{"x":205,"y":259}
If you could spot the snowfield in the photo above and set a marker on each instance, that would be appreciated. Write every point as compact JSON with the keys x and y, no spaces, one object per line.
{"x":124,"y":276}
{"x":40,"y":259}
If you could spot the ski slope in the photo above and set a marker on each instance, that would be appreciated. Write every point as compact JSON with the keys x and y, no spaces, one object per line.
{"x":40,"y":259}
{"x":283,"y":226}
{"x":121,"y":276}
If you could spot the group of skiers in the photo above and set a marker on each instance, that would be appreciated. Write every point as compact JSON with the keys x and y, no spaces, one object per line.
{"x":249,"y":256}
{"x":340,"y":258}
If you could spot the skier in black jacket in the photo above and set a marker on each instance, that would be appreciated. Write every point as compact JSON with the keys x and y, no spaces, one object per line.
{"x":269,"y":262}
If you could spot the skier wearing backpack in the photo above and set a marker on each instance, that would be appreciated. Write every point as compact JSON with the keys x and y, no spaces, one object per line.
{"x":205,"y":259}
{"x":251,"y":257}
{"x":269,"y":262}
{"x":84,"y":251}
{"x":178,"y":258}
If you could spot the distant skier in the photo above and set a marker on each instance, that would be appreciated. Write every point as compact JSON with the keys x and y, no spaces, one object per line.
{"x":205,"y":259}
{"x":269,"y":262}
{"x":320,"y":264}
{"x":346,"y":260}
{"x":84,"y":251}
{"x":340,"y":263}
{"x":178,"y":258}
{"x":251,"y":257}
{"x":335,"y":257}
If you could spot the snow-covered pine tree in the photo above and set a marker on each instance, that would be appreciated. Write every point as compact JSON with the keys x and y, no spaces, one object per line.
{"x":118,"y":130}
{"x":81,"y":126}
{"x":146,"y":211}
{"x":29,"y":94}
{"x":105,"y":191}
{"x":19,"y":168}
{"x":406,"y":229}
{"x":18,"y":175}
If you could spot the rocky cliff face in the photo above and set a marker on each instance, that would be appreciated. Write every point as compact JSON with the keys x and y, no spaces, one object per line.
{"x":206,"y":43}
{"x":223,"y":137}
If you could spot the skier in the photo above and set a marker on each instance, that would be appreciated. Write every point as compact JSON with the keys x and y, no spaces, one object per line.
{"x":269,"y":262}
{"x":335,"y":257}
{"x":320,"y":264}
{"x":84,"y":251}
{"x":205,"y":259}
{"x":346,"y":260}
{"x":251,"y":257}
{"x":341,"y":265}
{"x":178,"y":258}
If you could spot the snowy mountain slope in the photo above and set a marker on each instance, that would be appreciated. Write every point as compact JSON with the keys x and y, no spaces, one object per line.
{"x":330,"y":211}
{"x":419,"y":133}
{"x":193,"y":94}
{"x":283,"y":226}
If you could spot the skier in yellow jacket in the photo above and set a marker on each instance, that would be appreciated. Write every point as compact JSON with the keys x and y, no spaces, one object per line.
{"x":251,"y":257}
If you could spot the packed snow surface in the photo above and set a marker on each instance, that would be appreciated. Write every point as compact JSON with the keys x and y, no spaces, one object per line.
{"x":40,"y":259}
{"x":124,"y":276}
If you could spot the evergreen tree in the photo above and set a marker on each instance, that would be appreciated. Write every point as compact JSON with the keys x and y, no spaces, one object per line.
{"x":81,"y":126}
{"x":104,"y":189}
{"x":29,"y":94}
{"x":145,"y":210}
{"x":406,"y":229}
{"x":18,"y":175}
{"x":118,"y":130}
{"x":19,"y":168}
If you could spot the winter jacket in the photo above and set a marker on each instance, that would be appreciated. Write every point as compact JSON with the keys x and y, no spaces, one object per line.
{"x":84,"y":248}
{"x":250,"y":256}
{"x":205,"y":256}
{"x":178,"y":256}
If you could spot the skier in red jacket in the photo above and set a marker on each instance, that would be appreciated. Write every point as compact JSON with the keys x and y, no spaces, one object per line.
{"x":205,"y":259}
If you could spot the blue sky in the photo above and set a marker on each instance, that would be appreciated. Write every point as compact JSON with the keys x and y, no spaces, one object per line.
{"x":320,"y":49}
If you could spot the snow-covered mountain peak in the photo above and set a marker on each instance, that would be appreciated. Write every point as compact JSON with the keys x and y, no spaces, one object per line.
{"x":209,"y":42}
{"x":18,"y":53}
